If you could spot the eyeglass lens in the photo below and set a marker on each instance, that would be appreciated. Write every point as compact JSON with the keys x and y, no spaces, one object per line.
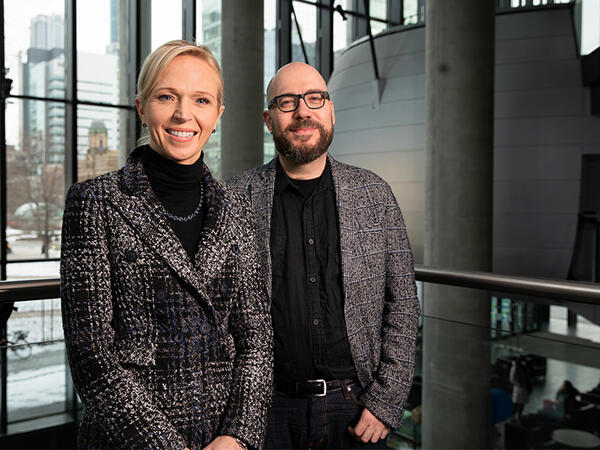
{"x":290,"y":102}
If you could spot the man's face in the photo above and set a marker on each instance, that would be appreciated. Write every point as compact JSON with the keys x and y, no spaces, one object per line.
{"x":304,"y":134}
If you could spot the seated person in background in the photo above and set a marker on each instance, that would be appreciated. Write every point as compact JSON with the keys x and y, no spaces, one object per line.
{"x":566,"y":397}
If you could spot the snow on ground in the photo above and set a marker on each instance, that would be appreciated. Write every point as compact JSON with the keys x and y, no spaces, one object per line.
{"x":29,"y":270}
{"x":38,"y":379}
{"x":36,"y":387}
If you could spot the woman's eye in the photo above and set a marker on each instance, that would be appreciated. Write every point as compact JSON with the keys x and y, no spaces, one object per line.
{"x":203,"y":100}
{"x":164,"y":97}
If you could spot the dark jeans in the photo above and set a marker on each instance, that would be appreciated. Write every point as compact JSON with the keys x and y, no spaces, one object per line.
{"x":319,"y":422}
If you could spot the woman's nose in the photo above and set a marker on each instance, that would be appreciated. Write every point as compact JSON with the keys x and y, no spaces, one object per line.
{"x":182,"y":111}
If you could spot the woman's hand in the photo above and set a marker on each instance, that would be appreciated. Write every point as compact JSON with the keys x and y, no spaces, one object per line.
{"x":224,"y":442}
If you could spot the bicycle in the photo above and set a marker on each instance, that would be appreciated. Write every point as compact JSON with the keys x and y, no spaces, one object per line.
{"x":19,"y":344}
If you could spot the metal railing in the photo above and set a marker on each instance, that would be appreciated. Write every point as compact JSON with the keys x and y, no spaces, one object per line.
{"x":561,"y":291}
{"x":12,"y":291}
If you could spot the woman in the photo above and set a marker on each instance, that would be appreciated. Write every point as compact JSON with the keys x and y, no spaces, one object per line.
{"x":165,"y":316}
{"x":519,"y":378}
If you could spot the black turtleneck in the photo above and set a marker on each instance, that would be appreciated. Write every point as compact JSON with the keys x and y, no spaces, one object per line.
{"x":179,"y":189}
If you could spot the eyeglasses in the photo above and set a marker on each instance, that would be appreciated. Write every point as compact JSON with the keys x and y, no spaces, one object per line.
{"x":290,"y":102}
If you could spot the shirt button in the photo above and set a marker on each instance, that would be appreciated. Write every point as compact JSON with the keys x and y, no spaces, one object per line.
{"x":131,"y":256}
{"x":315,"y":322}
{"x":204,"y":328}
{"x":312,"y":279}
{"x":224,"y":288}
{"x":311,"y":241}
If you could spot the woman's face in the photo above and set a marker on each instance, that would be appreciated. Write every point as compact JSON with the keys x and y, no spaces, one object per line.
{"x":182,"y":110}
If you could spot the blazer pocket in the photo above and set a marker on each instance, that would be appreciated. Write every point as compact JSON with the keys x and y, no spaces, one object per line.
{"x":136,"y":353}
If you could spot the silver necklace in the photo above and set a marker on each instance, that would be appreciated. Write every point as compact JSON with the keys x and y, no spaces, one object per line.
{"x":185,"y":218}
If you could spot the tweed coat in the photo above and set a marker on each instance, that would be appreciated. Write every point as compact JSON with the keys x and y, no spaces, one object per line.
{"x":381,"y":307}
{"x":164,"y":352}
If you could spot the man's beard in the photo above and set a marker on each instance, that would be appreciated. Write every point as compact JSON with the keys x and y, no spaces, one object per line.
{"x":303,"y":153}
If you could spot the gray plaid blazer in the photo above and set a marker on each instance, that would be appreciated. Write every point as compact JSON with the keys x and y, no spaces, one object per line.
{"x":164,"y":352}
{"x":381,"y":307}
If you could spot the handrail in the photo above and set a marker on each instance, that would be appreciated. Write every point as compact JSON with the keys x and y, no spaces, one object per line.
{"x":11,"y":291}
{"x":23,"y":290}
{"x":575,"y":291}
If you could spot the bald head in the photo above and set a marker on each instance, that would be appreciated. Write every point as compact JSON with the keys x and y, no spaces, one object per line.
{"x":295,"y":78}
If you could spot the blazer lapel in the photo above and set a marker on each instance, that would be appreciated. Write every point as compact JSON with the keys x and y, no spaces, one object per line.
{"x":212,"y":248}
{"x":261,"y":193}
{"x":142,"y":209}
{"x":345,"y":202}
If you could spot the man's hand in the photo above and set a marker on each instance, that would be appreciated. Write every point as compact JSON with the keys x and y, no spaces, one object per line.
{"x":369,"y":428}
{"x":223,"y":443}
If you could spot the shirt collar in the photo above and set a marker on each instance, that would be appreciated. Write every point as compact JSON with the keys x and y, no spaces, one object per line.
{"x":282,"y":180}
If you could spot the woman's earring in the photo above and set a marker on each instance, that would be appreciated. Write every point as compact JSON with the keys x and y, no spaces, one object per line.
{"x":214,"y":130}
{"x":144,"y":125}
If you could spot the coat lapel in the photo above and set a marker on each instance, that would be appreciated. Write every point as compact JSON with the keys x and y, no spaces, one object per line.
{"x":212,"y":248}
{"x":345,"y":202}
{"x":261,"y":194}
{"x":138,"y":204}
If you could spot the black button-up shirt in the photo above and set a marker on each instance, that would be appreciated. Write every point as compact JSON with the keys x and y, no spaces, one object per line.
{"x":308,"y":307}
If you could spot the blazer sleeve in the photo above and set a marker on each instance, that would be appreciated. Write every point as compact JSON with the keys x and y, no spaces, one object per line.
{"x":386,"y":395}
{"x":250,"y":324}
{"x":114,"y":402}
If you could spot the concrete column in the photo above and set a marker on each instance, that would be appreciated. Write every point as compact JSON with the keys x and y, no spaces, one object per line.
{"x":242,"y":65}
{"x":458,"y":221}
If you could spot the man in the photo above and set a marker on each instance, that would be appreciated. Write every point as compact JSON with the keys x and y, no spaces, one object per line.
{"x":340,"y":276}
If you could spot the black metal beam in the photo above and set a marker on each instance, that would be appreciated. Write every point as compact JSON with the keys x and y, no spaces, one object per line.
{"x":349,"y":12}
{"x":360,"y":21}
{"x":71,"y":93}
{"x":3,"y":355}
{"x":4,"y":93}
{"x":371,"y":42}
{"x":188,"y":29}
{"x":325,"y":40}
{"x":395,"y":11}
{"x":283,"y":43}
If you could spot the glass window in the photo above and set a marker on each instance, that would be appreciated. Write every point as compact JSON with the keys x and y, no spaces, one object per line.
{"x":36,"y":356}
{"x":270,"y":66}
{"x":208,"y":25}
{"x":35,"y":157}
{"x":166,"y":22}
{"x":307,"y":21}
{"x":34,"y":47}
{"x":412,"y":12}
{"x":100,"y":141}
{"x":378,"y":9}
{"x":102,"y":52}
{"x":342,"y":29}
{"x":208,"y":32}
{"x":590,"y":32}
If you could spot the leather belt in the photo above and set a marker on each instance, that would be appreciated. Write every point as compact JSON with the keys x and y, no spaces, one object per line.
{"x":311,"y":388}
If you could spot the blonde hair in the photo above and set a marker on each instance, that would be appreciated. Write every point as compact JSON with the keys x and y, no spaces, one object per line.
{"x":157,"y":61}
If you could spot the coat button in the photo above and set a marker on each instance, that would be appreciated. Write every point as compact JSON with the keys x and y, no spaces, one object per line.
{"x":312,"y":279}
{"x":131,"y":255}
{"x":160,"y":295}
{"x":204,"y":328}
{"x":224,"y":288}
{"x":235,"y":249}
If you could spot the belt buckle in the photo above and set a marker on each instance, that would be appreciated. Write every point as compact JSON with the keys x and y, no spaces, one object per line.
{"x":320,"y":380}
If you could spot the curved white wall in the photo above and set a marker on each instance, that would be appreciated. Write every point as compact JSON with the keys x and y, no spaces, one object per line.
{"x":542,"y":127}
